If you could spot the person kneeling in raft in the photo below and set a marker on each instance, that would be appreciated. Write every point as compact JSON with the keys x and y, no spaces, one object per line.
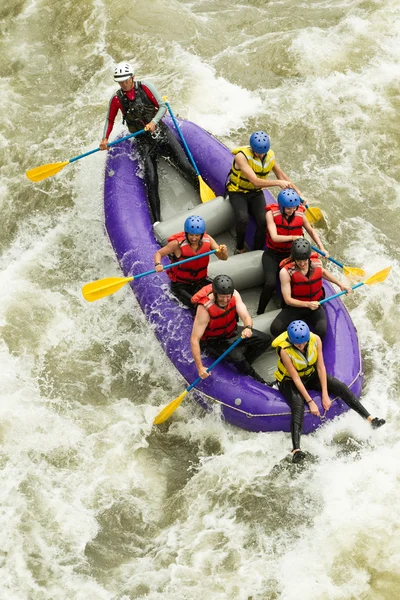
{"x":192,"y":276}
{"x":301,"y":367}
{"x":301,"y":284}
{"x":215,"y":328}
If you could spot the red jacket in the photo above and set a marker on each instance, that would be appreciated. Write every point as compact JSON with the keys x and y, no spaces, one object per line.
{"x":223,"y":321}
{"x":195,"y":270}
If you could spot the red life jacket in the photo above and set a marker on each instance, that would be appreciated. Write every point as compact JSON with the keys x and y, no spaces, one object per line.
{"x":304,"y":288}
{"x":223,"y":321}
{"x":195,"y":270}
{"x":295,"y":227}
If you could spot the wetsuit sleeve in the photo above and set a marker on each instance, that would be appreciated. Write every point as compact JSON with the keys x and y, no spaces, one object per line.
{"x":113,"y":108}
{"x":154,"y":95}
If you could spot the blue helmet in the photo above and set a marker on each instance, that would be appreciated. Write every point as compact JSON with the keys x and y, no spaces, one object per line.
{"x":194,"y":225}
{"x":288,"y":199}
{"x":298,"y":332}
{"x":259,"y":142}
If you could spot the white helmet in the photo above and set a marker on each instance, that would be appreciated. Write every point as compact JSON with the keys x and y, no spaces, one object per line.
{"x":122,"y":71}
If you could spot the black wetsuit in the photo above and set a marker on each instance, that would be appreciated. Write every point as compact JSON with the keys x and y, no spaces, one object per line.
{"x":296,"y":401}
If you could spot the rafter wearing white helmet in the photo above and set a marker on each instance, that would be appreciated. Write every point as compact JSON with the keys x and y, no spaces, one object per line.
{"x":123,"y":71}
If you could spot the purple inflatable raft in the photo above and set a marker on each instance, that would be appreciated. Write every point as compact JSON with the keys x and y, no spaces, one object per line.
{"x":243,"y":401}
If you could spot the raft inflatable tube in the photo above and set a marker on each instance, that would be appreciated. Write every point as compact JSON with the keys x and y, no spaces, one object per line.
{"x":243,"y":401}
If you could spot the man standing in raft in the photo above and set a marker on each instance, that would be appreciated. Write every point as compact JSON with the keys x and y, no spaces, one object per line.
{"x":285,"y":223}
{"x":301,"y":368}
{"x":247,"y":178}
{"x":215,"y":328}
{"x":142,"y":107}
{"x":192,"y":276}
{"x":301,"y":283}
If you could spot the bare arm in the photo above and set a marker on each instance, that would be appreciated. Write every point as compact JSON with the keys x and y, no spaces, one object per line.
{"x":170,"y":248}
{"x":199,"y":326}
{"x":287,"y":293}
{"x":244,"y":314}
{"x":281,"y":176}
{"x":285,"y":358}
{"x":329,"y":277}
{"x":222,"y":250}
{"x":314,"y":235}
{"x":242,"y":164}
{"x":274,"y":233}
{"x":321,"y":370}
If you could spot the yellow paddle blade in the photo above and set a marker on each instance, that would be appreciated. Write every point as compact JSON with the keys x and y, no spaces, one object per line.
{"x":314,"y":216}
{"x":354,"y":273}
{"x":169,"y":409}
{"x":378,"y":277}
{"x":206,"y":192}
{"x":104,"y":287}
{"x":45,"y":171}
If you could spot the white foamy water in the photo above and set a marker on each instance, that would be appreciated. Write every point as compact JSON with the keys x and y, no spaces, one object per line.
{"x":94,"y":501}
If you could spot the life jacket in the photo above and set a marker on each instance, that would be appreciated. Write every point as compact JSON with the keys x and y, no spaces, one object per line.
{"x":223,"y":321}
{"x":284,"y":227}
{"x":305,"y":288}
{"x":137,"y":112}
{"x":195,"y":270}
{"x":237,"y":181}
{"x":303,"y":363}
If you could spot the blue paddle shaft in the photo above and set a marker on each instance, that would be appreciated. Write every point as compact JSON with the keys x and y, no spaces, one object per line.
{"x":177,"y":264}
{"x":210,"y":368}
{"x":183,"y":139}
{"x":339,"y":264}
{"x":353,"y":287}
{"x":131,"y":135}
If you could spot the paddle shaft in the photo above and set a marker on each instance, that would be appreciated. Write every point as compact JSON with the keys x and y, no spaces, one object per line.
{"x":183,"y":139}
{"x":210,"y":368}
{"x":339,"y":264}
{"x":353,"y":287}
{"x":177,"y":264}
{"x":131,"y":135}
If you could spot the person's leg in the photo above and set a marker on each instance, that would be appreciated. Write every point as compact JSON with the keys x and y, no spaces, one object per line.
{"x":236,"y":356}
{"x":296,"y":403}
{"x":185,"y":291}
{"x":283,"y":320}
{"x":148,"y":156}
{"x":257,"y":209}
{"x":240,"y":208}
{"x":270,"y":263}
{"x":170,"y":148}
{"x":316,"y":320}
{"x":256,"y":345}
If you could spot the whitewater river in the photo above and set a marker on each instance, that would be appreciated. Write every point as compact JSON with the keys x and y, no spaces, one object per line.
{"x":95,"y":503}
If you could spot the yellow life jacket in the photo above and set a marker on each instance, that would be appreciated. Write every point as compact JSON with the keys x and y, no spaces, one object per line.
{"x":261,"y":167}
{"x":304,"y":364}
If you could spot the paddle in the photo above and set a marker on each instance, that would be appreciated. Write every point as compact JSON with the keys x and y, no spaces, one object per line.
{"x":352,"y":272}
{"x":40,"y":173}
{"x":314,"y":215}
{"x":377,"y":278}
{"x":206,"y":192}
{"x":172,"y":406}
{"x":105,"y":287}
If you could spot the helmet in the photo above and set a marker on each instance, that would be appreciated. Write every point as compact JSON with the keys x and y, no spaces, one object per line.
{"x":223,"y":284}
{"x":288,"y":199}
{"x":301,"y":249}
{"x":259,"y":142}
{"x":298,"y":332}
{"x":194,"y":225}
{"x":122,"y":71}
